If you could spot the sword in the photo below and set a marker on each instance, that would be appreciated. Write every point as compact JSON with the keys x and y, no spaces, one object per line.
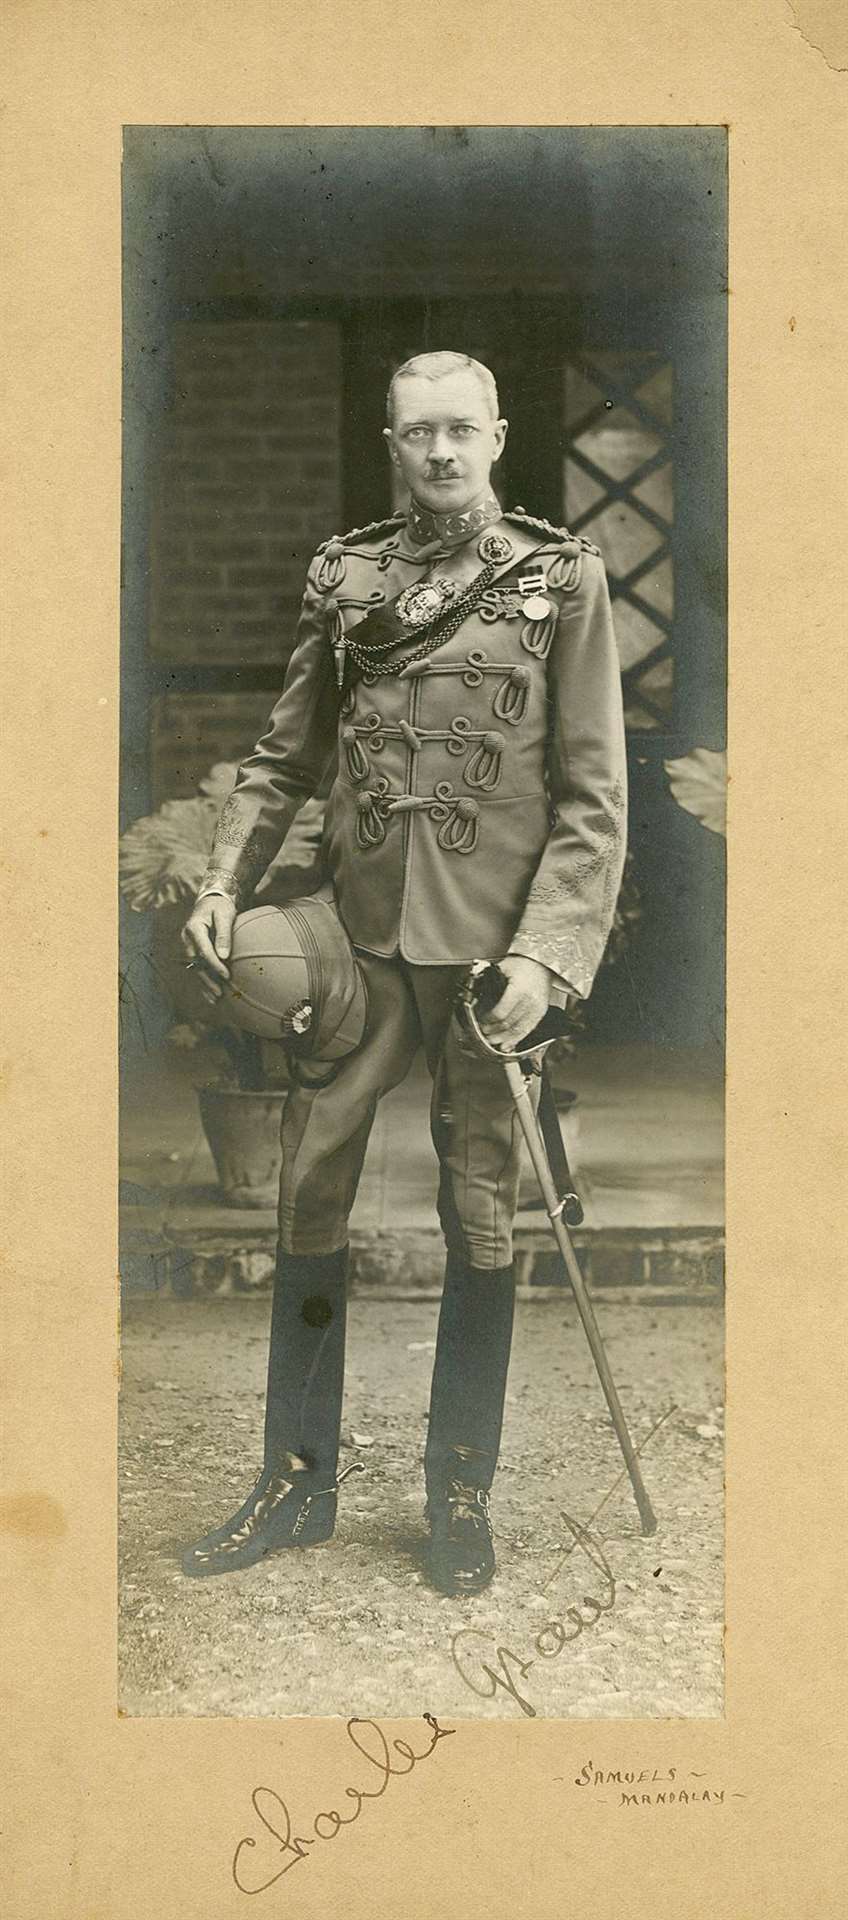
{"x":482,"y":990}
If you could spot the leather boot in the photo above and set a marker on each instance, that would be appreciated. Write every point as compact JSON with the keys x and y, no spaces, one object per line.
{"x":466,"y":1417}
{"x":293,"y":1500}
{"x":303,"y":1403}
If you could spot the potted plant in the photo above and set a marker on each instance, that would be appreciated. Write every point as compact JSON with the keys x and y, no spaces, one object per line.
{"x":162,"y":860}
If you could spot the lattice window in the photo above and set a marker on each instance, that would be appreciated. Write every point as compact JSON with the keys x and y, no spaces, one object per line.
{"x":618,"y":488}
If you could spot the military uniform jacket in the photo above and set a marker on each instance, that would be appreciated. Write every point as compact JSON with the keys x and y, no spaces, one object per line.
{"x":478,"y":804}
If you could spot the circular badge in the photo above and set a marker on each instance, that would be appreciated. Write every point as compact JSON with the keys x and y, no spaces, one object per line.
{"x":536,"y":608}
{"x":495,"y":548}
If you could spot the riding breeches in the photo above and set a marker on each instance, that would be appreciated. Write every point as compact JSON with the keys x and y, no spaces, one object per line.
{"x":472,"y":1120}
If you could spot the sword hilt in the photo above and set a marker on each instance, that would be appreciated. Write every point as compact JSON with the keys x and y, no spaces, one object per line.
{"x":481,"y":992}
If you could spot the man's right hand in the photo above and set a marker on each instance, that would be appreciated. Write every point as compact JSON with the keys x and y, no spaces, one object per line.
{"x":207,"y":938}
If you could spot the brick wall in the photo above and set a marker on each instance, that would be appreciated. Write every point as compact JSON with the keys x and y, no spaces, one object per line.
{"x":190,"y":732}
{"x":248,"y":483}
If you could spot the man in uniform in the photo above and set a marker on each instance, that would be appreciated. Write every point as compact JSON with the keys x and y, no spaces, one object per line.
{"x":461,"y":661}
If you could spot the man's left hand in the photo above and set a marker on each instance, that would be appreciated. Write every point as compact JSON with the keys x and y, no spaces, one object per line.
{"x":523,"y":1003}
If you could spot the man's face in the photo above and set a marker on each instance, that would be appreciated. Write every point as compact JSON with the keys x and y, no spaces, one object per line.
{"x":443,"y":439}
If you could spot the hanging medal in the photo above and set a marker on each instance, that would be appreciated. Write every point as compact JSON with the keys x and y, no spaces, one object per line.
{"x":534,"y":605}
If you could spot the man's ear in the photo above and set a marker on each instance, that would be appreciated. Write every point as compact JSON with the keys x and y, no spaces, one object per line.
{"x":388,"y":436}
{"x":501,"y":431}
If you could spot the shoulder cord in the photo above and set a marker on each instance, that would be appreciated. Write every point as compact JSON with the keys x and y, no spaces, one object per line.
{"x":361,"y":533}
{"x":546,"y":526}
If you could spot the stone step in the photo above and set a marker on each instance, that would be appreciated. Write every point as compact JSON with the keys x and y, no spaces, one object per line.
{"x":190,"y":1249}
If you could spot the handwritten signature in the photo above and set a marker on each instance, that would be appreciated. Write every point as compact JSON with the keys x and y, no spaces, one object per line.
{"x":557,"y":1632}
{"x":274,"y":1815}
{"x":550,"y":1640}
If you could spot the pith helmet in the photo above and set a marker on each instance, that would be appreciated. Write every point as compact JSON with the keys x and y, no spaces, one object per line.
{"x":294,"y":977}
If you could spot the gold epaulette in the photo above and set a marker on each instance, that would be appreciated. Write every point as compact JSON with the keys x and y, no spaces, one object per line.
{"x":560,"y":534}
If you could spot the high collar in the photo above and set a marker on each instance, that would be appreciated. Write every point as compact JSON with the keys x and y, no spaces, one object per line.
{"x":450,"y":529}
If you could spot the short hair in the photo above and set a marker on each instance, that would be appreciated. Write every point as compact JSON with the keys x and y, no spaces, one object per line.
{"x":434,"y":366}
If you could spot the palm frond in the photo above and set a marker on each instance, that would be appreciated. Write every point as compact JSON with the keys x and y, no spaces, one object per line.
{"x":698,"y":781}
{"x":163,"y":856}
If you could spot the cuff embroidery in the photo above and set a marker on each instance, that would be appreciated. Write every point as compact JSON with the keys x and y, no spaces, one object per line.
{"x":219,"y":880}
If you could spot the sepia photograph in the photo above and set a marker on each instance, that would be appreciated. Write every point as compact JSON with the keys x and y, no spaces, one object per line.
{"x":422,"y":874}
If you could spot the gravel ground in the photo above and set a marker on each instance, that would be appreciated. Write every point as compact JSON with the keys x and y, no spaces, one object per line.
{"x":351,"y":1627}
